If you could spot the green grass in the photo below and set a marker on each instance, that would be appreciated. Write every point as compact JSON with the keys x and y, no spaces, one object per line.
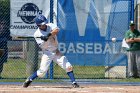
{"x":15,"y":71}
{"x":16,"y":68}
{"x":88,"y":72}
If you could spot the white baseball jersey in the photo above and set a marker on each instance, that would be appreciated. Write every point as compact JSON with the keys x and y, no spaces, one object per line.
{"x":51,"y":44}
{"x":50,"y":51}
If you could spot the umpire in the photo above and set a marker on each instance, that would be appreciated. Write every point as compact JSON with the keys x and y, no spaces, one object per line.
{"x":132,"y":37}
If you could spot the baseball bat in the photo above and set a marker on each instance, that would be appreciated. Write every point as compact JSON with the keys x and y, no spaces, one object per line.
{"x":27,"y":37}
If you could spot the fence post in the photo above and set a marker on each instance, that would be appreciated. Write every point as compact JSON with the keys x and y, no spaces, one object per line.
{"x":132,"y":10}
{"x":51,"y":20}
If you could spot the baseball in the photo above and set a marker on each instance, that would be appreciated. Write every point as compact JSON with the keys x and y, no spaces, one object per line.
{"x":113,"y":39}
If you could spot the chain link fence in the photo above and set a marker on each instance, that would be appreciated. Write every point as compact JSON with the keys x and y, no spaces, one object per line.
{"x":4,"y":30}
{"x":22,"y":57}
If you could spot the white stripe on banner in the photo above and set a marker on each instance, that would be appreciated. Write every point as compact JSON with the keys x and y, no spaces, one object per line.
{"x":84,"y":7}
{"x":81,"y":11}
{"x":103,"y":12}
{"x":22,"y":14}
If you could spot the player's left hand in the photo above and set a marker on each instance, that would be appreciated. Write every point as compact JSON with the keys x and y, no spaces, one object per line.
{"x":45,"y":38}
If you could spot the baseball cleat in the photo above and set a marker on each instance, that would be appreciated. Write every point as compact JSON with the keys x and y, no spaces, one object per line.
{"x":27,"y":83}
{"x":75,"y":85}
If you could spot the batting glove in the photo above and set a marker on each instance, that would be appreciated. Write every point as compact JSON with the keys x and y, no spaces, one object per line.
{"x":45,"y":38}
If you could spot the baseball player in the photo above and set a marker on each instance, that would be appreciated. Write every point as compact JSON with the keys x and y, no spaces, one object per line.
{"x":49,"y":45}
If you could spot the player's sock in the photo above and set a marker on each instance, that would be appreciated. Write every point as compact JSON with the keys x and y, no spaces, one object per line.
{"x":71,"y":75}
{"x":33,"y":76}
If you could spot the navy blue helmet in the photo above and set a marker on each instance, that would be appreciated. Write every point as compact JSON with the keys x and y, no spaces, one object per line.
{"x":41,"y":20}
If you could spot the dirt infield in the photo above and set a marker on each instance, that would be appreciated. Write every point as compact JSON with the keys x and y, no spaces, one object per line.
{"x":92,"y":88}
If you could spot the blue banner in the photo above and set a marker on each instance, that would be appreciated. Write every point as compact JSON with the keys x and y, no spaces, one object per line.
{"x":87,"y":27}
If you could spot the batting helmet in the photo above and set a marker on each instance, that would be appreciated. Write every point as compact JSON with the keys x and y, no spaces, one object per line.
{"x":41,"y":20}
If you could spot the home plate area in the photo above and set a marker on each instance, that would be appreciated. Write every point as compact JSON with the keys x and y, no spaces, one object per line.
{"x":61,"y":88}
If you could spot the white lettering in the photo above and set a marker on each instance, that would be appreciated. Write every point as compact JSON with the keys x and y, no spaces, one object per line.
{"x":114,"y":49}
{"x":98,"y":48}
{"x":71,"y":48}
{"x":89,"y":48}
{"x":62,"y":47}
{"x":80,"y":48}
{"x":107,"y":49}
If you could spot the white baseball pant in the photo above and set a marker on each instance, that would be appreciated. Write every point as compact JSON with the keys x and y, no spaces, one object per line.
{"x":57,"y":57}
